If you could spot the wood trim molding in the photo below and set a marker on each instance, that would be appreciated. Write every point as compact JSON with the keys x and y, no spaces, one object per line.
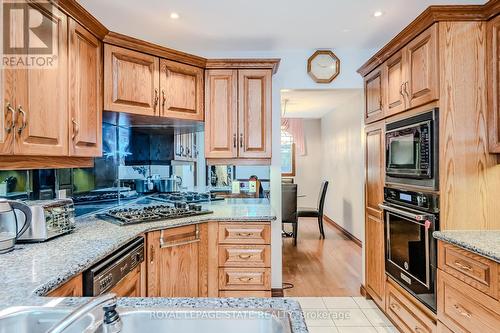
{"x":135,"y":44}
{"x":277,"y":292}
{"x":82,"y":16}
{"x":343,"y":231}
{"x":271,"y":63}
{"x":44,"y":162}
{"x":428,"y":17}
{"x":363,"y":292}
{"x":238,"y":161}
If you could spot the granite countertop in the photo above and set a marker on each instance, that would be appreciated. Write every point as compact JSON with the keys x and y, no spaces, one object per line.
{"x":31,"y":270}
{"x":483,"y":242}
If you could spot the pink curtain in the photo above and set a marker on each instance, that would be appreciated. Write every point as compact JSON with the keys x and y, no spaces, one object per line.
{"x":295,"y":127}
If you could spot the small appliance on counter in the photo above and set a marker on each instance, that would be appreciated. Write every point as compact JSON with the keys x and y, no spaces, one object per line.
{"x":50,"y":218}
{"x":15,"y":219}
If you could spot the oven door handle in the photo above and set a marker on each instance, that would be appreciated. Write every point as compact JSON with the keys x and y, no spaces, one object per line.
{"x":414,"y":216}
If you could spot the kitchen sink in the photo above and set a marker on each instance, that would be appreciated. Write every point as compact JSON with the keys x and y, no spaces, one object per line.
{"x":41,"y":319}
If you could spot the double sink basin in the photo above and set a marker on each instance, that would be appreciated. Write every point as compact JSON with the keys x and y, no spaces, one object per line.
{"x":41,"y":319}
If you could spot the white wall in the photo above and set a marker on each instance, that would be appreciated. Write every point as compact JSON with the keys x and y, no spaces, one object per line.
{"x":343,"y":165}
{"x":308,"y":167}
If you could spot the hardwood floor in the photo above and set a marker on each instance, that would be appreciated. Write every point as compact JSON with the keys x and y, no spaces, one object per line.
{"x":321,"y":267}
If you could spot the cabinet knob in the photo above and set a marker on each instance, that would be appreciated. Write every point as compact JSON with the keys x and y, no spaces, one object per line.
{"x":10,"y":126}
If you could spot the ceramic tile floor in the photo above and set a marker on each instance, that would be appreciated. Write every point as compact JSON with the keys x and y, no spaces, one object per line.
{"x":344,"y":315}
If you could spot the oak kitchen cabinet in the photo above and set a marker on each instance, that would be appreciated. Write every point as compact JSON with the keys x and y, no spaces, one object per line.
{"x":143,"y":84}
{"x":374,"y":95}
{"x":35,"y":116}
{"x":85,"y":91}
{"x":493,"y":66}
{"x":374,"y":223}
{"x":238,"y":113}
{"x":176,"y":262}
{"x":71,"y":288}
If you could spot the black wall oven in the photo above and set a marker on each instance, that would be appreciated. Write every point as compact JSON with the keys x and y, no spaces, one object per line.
{"x":412,"y":151}
{"x":410,"y":249}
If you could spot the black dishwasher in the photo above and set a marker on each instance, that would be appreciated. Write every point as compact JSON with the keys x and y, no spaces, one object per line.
{"x":104,"y":275}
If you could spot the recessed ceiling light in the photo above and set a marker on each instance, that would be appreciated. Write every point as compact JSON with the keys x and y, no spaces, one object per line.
{"x":174,"y":16}
{"x":378,"y":13}
{"x":346,"y":30}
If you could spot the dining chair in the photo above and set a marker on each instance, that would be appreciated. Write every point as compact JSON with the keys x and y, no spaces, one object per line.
{"x":316,"y":212}
{"x":289,"y":208}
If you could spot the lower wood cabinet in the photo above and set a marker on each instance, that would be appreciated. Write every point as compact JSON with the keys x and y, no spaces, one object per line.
{"x":403,"y":310}
{"x":72,"y":288}
{"x":375,"y":259}
{"x":176,"y":261}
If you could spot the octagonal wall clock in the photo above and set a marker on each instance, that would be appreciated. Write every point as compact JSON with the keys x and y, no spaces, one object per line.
{"x":323,"y":66}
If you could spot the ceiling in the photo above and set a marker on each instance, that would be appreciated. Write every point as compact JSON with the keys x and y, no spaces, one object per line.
{"x":207,"y":26}
{"x":307,"y":103}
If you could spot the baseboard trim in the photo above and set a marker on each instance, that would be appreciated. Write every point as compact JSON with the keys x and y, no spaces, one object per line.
{"x":343,"y":231}
{"x":277,"y":292}
{"x":363,"y":292}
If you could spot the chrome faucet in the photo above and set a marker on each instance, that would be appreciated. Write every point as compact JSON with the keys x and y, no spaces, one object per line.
{"x":111,"y":323}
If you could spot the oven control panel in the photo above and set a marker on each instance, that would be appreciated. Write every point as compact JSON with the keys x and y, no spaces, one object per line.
{"x":419,"y":200}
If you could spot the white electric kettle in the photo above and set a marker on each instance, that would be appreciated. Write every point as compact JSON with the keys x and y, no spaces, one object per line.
{"x":15,"y":219}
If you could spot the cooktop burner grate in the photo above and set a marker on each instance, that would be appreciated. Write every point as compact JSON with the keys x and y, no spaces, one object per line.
{"x":132,"y":215}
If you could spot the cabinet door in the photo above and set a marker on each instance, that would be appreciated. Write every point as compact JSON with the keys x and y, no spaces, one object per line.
{"x":221,"y":116}
{"x":173,"y":262}
{"x":493,"y":65}
{"x":72,"y":288}
{"x":374,"y":96}
{"x":85,"y":92}
{"x":394,"y":81}
{"x":422,"y":68}
{"x":375,"y":167}
{"x":375,"y":258}
{"x":130,"y":285}
{"x":41,"y":99}
{"x":181,"y":90}
{"x":254,"y":113}
{"x":131,"y":81}
{"x":7,"y":115}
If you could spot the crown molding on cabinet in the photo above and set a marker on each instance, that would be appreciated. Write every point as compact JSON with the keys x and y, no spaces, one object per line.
{"x":271,"y":63}
{"x":82,"y":16}
{"x":428,"y":17}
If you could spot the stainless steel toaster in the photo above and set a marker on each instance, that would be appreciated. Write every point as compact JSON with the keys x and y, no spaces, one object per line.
{"x":50,"y":218}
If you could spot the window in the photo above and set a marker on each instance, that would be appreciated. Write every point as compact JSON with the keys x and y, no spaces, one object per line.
{"x":287,"y":154}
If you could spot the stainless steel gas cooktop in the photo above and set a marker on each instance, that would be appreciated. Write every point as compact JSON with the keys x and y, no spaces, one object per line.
{"x":150,"y":213}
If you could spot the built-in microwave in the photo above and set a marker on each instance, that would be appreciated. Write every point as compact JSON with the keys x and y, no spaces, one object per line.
{"x":412,"y":151}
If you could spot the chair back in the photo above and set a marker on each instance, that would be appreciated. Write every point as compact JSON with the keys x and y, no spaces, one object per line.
{"x":289,"y":203}
{"x":322,"y":196}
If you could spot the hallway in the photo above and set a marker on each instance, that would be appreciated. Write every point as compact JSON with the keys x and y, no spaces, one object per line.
{"x":321,"y":267}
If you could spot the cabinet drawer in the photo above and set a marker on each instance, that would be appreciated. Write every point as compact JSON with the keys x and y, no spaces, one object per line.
{"x":244,"y":293}
{"x":244,"y":233}
{"x":244,"y":279}
{"x":405,"y":314}
{"x":465,"y":309}
{"x":244,"y":256}
{"x":472,"y":269}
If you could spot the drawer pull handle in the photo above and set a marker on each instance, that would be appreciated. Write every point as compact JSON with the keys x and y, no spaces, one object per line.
{"x":462,"y":311}
{"x":245,"y":256}
{"x":462,"y":266}
{"x":194,"y":239}
{"x":245,"y":279}
{"x":12,"y":125}
{"x":395,"y":306}
{"x":418,"y":330}
{"x":244,"y":234}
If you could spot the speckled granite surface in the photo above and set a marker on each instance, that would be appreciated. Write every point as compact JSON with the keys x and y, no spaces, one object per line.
{"x":31,"y":270}
{"x":485,"y":243}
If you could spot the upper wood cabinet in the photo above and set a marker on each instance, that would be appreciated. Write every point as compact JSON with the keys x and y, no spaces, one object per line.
{"x":181,"y":90}
{"x":85,"y":91}
{"x":493,"y":86}
{"x":394,"y":83}
{"x":131,"y":81}
{"x":174,"y":261}
{"x":221,"y":118}
{"x":41,"y":100}
{"x":254,"y":113}
{"x":422,"y":81}
{"x":374,"y":96}
{"x":238,"y":113}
